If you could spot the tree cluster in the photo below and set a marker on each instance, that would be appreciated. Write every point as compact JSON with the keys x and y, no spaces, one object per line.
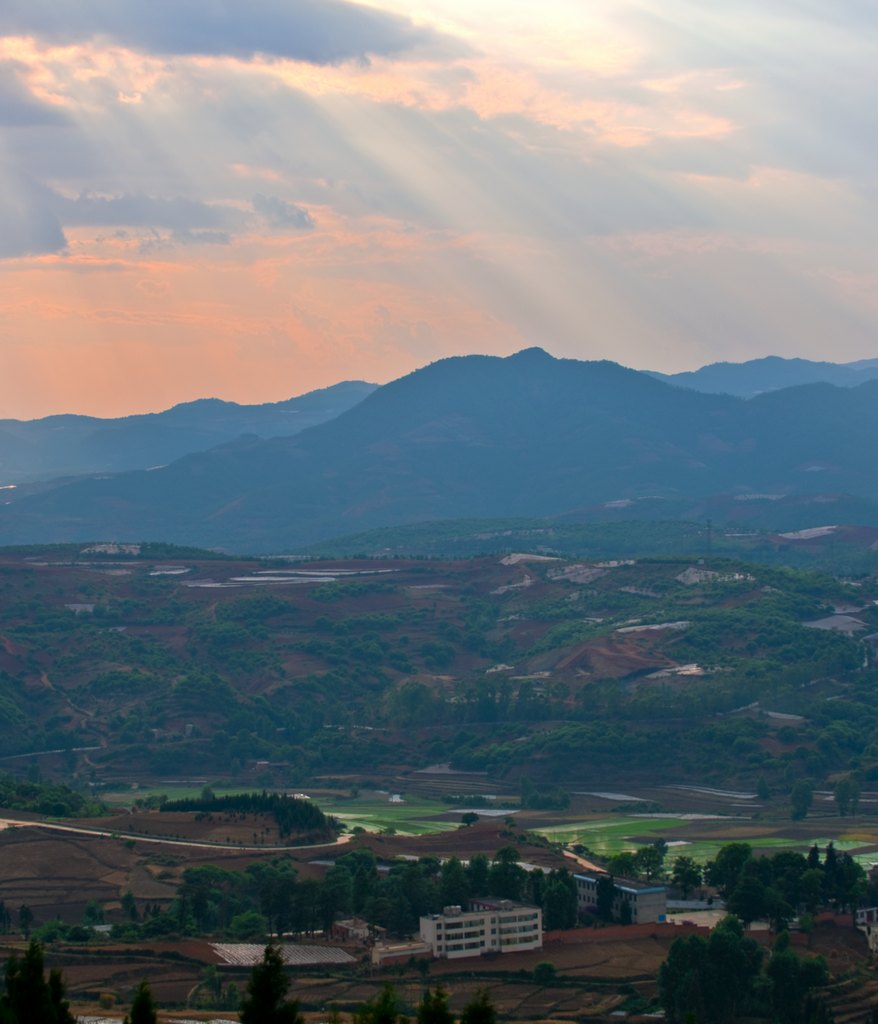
{"x":292,"y":814}
{"x":779,"y":887}
{"x":270,"y":898}
{"x":726,"y":978}
{"x":30,"y":997}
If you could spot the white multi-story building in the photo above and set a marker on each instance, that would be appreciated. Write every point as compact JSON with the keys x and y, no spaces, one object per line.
{"x":489,"y":926}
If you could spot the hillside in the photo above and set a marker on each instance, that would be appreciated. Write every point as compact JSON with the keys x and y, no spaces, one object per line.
{"x":633,"y":532}
{"x":480,"y":436}
{"x":145,"y":669}
{"x":71,"y":445}
{"x":771,"y":373}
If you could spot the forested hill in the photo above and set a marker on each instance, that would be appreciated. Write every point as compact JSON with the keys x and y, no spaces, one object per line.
{"x":529,"y":435}
{"x":512,"y":665}
{"x":70,"y":445}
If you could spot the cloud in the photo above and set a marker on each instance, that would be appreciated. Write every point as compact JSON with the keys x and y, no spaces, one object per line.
{"x":183,"y":215}
{"x":613,"y":178}
{"x":278,"y":213}
{"x":18,"y":108}
{"x":157,"y":242}
{"x":317,"y":31}
{"x":29,"y":224}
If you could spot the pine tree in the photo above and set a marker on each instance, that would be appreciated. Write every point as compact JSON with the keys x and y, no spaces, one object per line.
{"x":433,"y":1008}
{"x":383,"y":1009}
{"x":480,"y":1010}
{"x":30,"y":997}
{"x":265,"y":1001}
{"x":142,"y":1007}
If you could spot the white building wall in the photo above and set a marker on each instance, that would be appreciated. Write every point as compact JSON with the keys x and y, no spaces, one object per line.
{"x":457,"y":933}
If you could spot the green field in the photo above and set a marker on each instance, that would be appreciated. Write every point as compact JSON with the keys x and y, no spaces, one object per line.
{"x":375,"y":813}
{"x":605,"y":837}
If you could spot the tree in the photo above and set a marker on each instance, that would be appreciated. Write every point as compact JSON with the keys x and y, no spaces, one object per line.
{"x":712,"y":979}
{"x":847,"y":796}
{"x":25,"y":920}
{"x":454,"y":885}
{"x":815,"y":1010}
{"x":558,"y":900}
{"x":723,"y":873}
{"x":650,"y":859}
{"x":479,"y":1010}
{"x":93,"y":914}
{"x":142,"y":1006}
{"x":336,"y":894}
{"x":778,"y":910}
{"x":30,"y":998}
{"x":469,"y":818}
{"x":265,"y":1001}
{"x":681,"y":980}
{"x":686,"y":875}
{"x":383,"y":1009}
{"x":792,"y":979}
{"x":545,"y":972}
{"x":478,"y":871}
{"x":433,"y":1008}
{"x":605,"y":895}
{"x":506,"y":877}
{"x":623,"y":865}
{"x":129,"y":905}
{"x":748,"y":901}
{"x":850,"y":882}
{"x":212,"y":984}
{"x":801,"y":798}
{"x":249,"y":925}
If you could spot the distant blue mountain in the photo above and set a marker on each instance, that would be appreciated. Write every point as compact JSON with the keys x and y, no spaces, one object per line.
{"x":770,"y":374}
{"x":72,"y":445}
{"x":480,"y":436}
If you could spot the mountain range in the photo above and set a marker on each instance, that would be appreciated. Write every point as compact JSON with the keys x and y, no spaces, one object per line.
{"x":771,"y":374}
{"x":480,"y":436}
{"x":71,"y":445}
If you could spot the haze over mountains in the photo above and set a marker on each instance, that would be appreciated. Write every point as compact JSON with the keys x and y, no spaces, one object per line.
{"x":69,"y":445}
{"x":477,"y":436}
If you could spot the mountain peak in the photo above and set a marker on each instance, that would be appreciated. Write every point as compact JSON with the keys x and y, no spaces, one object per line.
{"x":533,"y":354}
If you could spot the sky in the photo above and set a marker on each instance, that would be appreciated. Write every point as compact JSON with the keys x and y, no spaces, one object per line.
{"x":248,"y":201}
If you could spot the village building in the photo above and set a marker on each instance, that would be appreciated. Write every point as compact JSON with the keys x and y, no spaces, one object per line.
{"x":355,"y":931}
{"x":390,"y":952}
{"x":489,"y":926}
{"x":866,"y":920}
{"x":646,"y":902}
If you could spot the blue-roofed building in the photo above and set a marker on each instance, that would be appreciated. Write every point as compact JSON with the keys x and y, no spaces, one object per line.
{"x":647,"y":902}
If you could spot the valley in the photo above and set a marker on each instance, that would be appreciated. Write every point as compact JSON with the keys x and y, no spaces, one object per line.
{"x":576,"y":710}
